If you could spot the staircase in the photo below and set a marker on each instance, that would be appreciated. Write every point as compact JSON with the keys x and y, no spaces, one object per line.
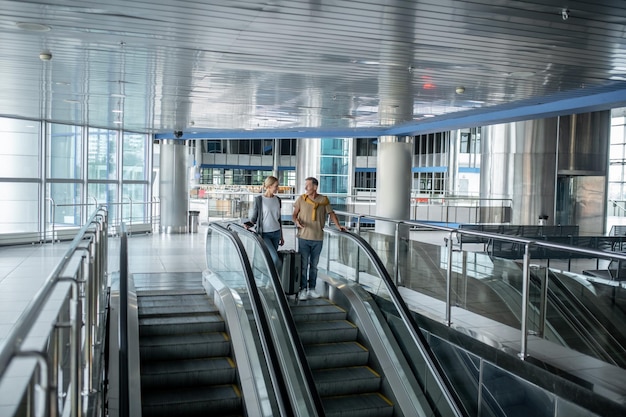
{"x":186,"y":363}
{"x":348,"y":386}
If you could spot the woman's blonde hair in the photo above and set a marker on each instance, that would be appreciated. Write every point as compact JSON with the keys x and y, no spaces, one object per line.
{"x":269,"y":181}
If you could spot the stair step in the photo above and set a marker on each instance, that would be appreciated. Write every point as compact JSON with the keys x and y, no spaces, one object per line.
{"x":363,"y":405}
{"x":223,"y":400}
{"x":179,"y":309}
{"x":343,"y":381}
{"x":194,"y":372}
{"x":335,"y":355}
{"x":326,"y":331}
{"x":312,"y":312}
{"x":181,"y":324}
{"x":172,"y":299}
{"x":187,"y":346}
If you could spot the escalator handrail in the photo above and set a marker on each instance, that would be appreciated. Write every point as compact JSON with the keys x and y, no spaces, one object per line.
{"x":287,"y":317}
{"x":411,"y":326}
{"x":124,"y":401}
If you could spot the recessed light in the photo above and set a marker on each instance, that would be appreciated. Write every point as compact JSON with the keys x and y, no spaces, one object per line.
{"x":522,"y":74}
{"x":45,"y":56}
{"x":117,"y":111}
{"x":118,"y":95}
{"x":69,"y":100}
{"x":33,"y":27}
{"x":118,"y":122}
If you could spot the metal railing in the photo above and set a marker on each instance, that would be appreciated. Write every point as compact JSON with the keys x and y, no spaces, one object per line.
{"x":529,"y":246}
{"x":236,"y":204}
{"x":62,"y":328}
{"x":148,"y":216}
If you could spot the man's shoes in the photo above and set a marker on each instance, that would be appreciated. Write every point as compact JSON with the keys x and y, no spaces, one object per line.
{"x":303,"y":296}
{"x":313,"y":294}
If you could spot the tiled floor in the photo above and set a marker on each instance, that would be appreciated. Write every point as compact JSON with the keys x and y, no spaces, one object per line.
{"x":23,"y":269}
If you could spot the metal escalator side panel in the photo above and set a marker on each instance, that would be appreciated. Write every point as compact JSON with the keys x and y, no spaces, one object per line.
{"x":134,"y":372}
{"x":252,"y":374}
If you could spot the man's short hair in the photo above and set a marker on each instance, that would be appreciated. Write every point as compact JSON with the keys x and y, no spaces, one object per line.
{"x":313,"y":180}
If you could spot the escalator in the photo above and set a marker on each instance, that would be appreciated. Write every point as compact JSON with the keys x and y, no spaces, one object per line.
{"x":356,"y":364}
{"x":187,"y":365}
{"x":341,"y":365}
{"x":186,"y":349}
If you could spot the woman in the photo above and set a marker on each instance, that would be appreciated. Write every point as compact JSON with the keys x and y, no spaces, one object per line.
{"x":265,"y":214}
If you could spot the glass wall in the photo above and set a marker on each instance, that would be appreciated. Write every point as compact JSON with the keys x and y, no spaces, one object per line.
{"x":54,"y":175}
{"x":20,"y":170}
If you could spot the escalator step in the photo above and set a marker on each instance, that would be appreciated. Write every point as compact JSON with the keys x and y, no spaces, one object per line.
{"x":181,"y":324}
{"x":186,"y":346}
{"x":179,"y":309}
{"x":210,"y":371}
{"x":335,"y":355}
{"x":223,"y":400}
{"x":364,"y":405}
{"x":326,"y":331}
{"x":343,"y":381}
{"x":312,"y":312}
{"x":172,"y":299}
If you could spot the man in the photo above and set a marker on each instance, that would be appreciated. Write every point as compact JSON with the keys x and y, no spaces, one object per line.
{"x":309,"y":215}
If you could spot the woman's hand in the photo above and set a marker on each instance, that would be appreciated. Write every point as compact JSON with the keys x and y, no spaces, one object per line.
{"x":281,"y":241}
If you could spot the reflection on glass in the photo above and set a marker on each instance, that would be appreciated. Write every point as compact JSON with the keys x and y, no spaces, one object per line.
{"x":64,"y":152}
{"x":67,"y":197}
{"x":138,"y":211}
{"x":134,"y":157}
{"x":105,"y":193}
{"x":102,"y":154}
{"x":20,"y":207}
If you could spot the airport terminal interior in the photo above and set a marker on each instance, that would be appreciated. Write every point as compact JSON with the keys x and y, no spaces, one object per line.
{"x":474,"y":151}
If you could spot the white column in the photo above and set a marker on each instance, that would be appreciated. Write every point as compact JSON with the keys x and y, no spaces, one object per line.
{"x":393,"y":183}
{"x":173,"y":186}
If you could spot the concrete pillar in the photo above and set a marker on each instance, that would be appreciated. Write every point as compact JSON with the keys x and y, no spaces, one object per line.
{"x":173,"y":186}
{"x":393,"y":183}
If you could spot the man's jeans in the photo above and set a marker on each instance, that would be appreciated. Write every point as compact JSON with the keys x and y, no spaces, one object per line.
{"x":272,"y":239}
{"x":310,"y":253}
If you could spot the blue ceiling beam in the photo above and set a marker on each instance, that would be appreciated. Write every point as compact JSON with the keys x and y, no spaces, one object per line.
{"x":579,"y":101}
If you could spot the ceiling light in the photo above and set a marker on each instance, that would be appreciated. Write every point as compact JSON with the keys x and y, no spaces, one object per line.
{"x":45,"y":56}
{"x":72,"y":101}
{"x":33,"y":27}
{"x":117,"y":111}
{"x":118,"y":95}
{"x":460,"y":90}
{"x":522,"y":74}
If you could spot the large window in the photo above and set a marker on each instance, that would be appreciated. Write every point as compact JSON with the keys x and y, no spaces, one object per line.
{"x":81,"y":169}
{"x":366,"y":146}
{"x":617,"y":165}
{"x":64,"y":152}
{"x":19,"y":176}
{"x":134,"y":157}
{"x":102,"y":154}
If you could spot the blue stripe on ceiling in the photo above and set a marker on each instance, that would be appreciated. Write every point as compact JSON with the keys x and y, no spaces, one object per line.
{"x":605,"y":97}
{"x":357,"y":169}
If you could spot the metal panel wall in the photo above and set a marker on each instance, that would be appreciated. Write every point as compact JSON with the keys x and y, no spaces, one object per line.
{"x":583,"y":143}
{"x":519,"y":162}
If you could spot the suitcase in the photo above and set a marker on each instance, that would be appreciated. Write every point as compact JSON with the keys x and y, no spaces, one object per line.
{"x":291,"y":271}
